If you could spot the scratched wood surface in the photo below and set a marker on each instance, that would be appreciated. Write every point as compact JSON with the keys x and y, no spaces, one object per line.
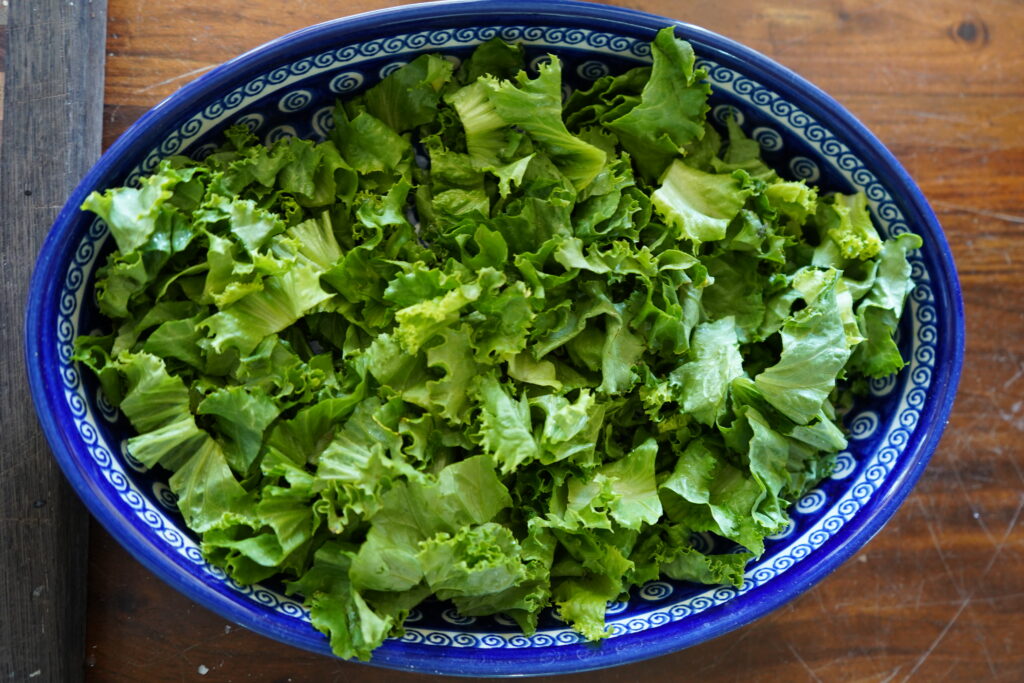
{"x":3,"y":61}
{"x":939,"y":593}
{"x":51,"y":69}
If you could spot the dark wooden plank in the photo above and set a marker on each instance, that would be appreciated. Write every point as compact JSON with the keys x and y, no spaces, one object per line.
{"x":3,"y":62}
{"x":52,"y":123}
{"x":939,"y":593}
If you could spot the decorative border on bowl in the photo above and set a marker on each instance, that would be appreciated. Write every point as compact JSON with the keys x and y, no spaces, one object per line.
{"x":921,"y":307}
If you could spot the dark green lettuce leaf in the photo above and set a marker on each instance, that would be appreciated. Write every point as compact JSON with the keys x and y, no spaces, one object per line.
{"x":671,"y":110}
{"x":209,"y":496}
{"x":337,"y":608}
{"x":242,"y":417}
{"x":408,"y":97}
{"x":465,"y":493}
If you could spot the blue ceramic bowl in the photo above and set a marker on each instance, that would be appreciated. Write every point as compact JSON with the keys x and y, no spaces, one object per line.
{"x":286,"y":88}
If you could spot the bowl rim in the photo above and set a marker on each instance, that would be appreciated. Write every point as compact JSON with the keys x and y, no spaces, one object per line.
{"x":48,"y":277}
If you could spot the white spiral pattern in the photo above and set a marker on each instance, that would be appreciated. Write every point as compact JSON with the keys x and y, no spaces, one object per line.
{"x":296,"y":100}
{"x":130,"y":460}
{"x":655,"y":590}
{"x":702,"y":541}
{"x":864,"y":425}
{"x":323,"y":122}
{"x":617,"y":607}
{"x":804,"y":169}
{"x":537,"y":62}
{"x":844,"y":466}
{"x":806,"y":535}
{"x":165,"y":496}
{"x":452,"y":616}
{"x":767,"y":138}
{"x":591,"y":70}
{"x":346,"y":82}
{"x":812,"y":501}
{"x":784,"y":532}
{"x":107,"y":411}
{"x":203,"y":151}
{"x":882,"y":386}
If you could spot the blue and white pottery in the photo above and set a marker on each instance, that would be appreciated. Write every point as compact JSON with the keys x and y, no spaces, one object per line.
{"x":287,"y":88}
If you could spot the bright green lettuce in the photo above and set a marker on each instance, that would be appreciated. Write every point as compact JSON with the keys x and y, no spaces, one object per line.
{"x":814,"y":352}
{"x":703,"y":382}
{"x":699,"y":205}
{"x":847,"y":223}
{"x":491,"y":346}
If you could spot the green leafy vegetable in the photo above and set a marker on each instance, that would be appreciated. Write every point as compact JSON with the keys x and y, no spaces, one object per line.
{"x":521,"y":375}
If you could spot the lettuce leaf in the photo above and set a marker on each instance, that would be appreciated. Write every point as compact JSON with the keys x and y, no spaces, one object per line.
{"x":814,"y":352}
{"x":703,"y":382}
{"x":535,"y":105}
{"x":671,"y":110}
{"x":699,"y":205}
{"x":408,"y":97}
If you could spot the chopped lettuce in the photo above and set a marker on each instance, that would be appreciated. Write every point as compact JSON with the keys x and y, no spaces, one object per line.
{"x":671,"y":108}
{"x":847,"y":223}
{"x":699,"y":205}
{"x":489,"y":346}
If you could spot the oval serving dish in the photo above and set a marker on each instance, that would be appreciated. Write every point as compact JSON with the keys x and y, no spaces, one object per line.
{"x":287,"y":87}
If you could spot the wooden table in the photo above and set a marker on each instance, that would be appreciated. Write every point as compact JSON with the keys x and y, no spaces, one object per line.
{"x":51,"y":64}
{"x":939,"y":594}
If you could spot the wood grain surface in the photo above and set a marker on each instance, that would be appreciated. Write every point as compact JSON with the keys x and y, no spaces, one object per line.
{"x":939,"y":593}
{"x":3,"y":61}
{"x":51,"y":69}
